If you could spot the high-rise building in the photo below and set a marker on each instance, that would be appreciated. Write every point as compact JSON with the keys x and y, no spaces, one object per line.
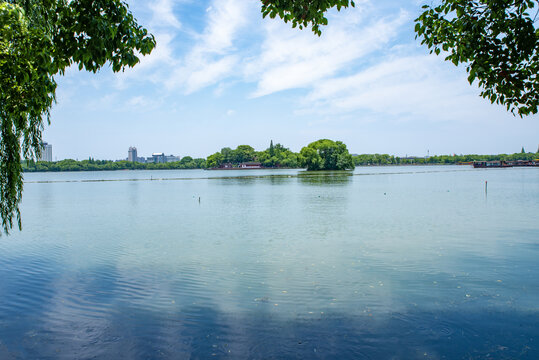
{"x":132,"y":154}
{"x":46,"y":152}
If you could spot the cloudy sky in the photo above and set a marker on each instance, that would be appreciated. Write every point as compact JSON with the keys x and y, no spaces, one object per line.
{"x":223,"y":76}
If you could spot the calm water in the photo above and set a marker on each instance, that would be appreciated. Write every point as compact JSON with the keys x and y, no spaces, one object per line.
{"x":385,"y":263}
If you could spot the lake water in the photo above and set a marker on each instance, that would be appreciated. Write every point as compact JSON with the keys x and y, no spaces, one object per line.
{"x":382,"y":263}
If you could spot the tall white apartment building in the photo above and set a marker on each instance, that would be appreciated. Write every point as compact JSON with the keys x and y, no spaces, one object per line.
{"x":132,"y":154}
{"x":46,"y":152}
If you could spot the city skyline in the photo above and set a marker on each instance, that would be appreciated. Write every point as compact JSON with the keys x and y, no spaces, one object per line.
{"x":222,"y":76}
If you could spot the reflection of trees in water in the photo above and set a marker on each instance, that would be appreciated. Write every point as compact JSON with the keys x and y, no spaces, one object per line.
{"x":305,"y":177}
{"x":279,"y":180}
{"x":252,"y":180}
{"x":325,"y":177}
{"x":134,"y":193}
{"x":236,"y":180}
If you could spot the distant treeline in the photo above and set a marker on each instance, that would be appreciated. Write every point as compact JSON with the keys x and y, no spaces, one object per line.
{"x":97,"y":165}
{"x":385,"y":159}
{"x":275,"y":156}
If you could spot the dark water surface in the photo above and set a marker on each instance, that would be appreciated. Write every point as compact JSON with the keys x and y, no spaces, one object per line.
{"x":384,"y":263}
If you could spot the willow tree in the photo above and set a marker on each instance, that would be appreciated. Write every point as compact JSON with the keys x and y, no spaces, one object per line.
{"x":38,"y":41}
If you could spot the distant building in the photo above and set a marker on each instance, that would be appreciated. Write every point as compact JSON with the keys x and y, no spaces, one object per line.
{"x":132,"y":154}
{"x":46,"y":152}
{"x":172,"y":158}
{"x":157,"y":158}
{"x":251,"y":165}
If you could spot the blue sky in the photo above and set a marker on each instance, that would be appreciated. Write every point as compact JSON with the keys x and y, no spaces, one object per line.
{"x":223,"y":76}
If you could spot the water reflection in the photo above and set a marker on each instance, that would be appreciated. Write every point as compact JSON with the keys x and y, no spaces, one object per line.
{"x":234,"y":181}
{"x":322,"y":266}
{"x":322,"y":178}
{"x":279,"y":180}
{"x":98,"y":315}
{"x":46,"y":197}
{"x":134,"y":193}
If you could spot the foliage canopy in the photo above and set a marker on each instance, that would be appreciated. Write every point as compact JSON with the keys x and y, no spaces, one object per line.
{"x":274,"y":156}
{"x":496,"y":40}
{"x":303,"y":13}
{"x":38,"y":40}
{"x":326,"y":154}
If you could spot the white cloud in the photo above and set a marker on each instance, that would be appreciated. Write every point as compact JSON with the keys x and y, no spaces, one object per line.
{"x":164,"y":25}
{"x":351,"y":67}
{"x":213,"y":57}
{"x":298,"y":59}
{"x":153,"y":68}
{"x":209,"y":73}
{"x":143,"y":102}
{"x":225,"y":18}
{"x":163,"y":14}
{"x":413,"y":86}
{"x":102,"y":102}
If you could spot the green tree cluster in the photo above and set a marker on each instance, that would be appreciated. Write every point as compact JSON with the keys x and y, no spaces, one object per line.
{"x":278,"y":156}
{"x":303,"y":13}
{"x":326,"y":154}
{"x":496,"y":40}
{"x":243,"y":153}
{"x":375,"y":159}
{"x":274,"y":156}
